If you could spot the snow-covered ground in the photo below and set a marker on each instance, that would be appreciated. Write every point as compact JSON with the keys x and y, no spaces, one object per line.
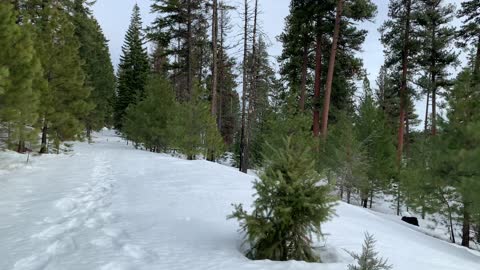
{"x":107,"y":206}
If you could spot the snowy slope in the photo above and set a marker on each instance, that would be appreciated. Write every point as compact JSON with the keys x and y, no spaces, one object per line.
{"x":111,"y":207}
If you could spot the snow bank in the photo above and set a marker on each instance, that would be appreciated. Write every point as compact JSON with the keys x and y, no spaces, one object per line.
{"x":111,"y":207}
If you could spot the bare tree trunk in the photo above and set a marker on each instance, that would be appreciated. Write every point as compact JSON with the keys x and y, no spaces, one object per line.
{"x":214,"y":58}
{"x":425,"y":123}
{"x":252,"y":103}
{"x":190,"y":51}
{"x":303,"y":86}
{"x":243,"y":142}
{"x":317,"y":86}
{"x":476,"y":68}
{"x":403,"y":89}
{"x":371,"y":199}
{"x":466,"y":226}
{"x":331,"y":69}
{"x":43,"y":148}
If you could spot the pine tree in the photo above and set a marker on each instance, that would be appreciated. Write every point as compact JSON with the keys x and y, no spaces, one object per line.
{"x":470,"y":31}
{"x":64,"y":103}
{"x":133,"y":69}
{"x":290,"y":205}
{"x":97,"y":67}
{"x":368,"y":259}
{"x":399,"y":53}
{"x":151,"y":122}
{"x":460,"y":163}
{"x":181,"y":28}
{"x":373,"y":132}
{"x":20,"y":80}
{"x":436,"y":54}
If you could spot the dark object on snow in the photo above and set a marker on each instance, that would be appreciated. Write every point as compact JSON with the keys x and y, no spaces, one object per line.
{"x":411,"y":220}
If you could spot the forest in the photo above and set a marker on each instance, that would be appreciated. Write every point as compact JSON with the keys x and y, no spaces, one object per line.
{"x":178,"y":89}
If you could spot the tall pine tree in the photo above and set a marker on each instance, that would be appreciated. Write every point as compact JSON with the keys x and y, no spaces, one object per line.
{"x":133,"y":69}
{"x":20,"y":80}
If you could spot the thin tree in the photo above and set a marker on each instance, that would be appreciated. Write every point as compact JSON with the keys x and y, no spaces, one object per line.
{"x":331,"y":67}
{"x":318,"y":79}
{"x":243,"y":138}
{"x":214,"y":58}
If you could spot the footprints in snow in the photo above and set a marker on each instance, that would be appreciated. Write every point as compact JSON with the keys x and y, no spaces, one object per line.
{"x":83,"y":210}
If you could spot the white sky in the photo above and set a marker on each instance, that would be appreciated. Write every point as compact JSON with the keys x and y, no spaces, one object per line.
{"x":114,"y":18}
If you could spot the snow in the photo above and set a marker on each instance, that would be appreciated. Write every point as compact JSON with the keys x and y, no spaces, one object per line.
{"x":108,"y":206}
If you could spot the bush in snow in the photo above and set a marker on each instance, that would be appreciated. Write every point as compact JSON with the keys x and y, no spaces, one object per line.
{"x":368,"y":259}
{"x":290,"y":205}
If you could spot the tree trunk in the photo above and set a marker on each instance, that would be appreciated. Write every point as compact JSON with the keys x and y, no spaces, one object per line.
{"x":476,"y":69}
{"x":243,"y":142}
{"x":403,"y":89}
{"x":303,"y":86}
{"x":434,"y":85}
{"x":466,"y":226}
{"x":214,"y":58}
{"x":43,"y":147}
{"x":190,"y":51}
{"x":331,"y":69}
{"x":252,"y":100}
{"x":21,"y":146}
{"x":425,"y":128}
{"x":318,"y":80}
{"x":371,"y":199}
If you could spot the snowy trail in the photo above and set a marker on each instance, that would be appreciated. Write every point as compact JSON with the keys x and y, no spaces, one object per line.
{"x":110,"y":207}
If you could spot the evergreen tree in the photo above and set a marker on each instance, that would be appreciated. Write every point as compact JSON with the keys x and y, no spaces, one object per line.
{"x":133,"y":69}
{"x":20,"y":80}
{"x":97,"y":67}
{"x":64,"y":102}
{"x":368,"y":259}
{"x":196,"y":128}
{"x":437,"y":54}
{"x":400,"y":51}
{"x":151,"y":121}
{"x":181,"y":28}
{"x":290,"y":204}
{"x":373,"y":132}
{"x":459,"y":164}
{"x":470,"y":31}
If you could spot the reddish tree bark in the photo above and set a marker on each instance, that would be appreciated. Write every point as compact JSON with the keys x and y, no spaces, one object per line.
{"x":331,"y":68}
{"x":403,"y":89}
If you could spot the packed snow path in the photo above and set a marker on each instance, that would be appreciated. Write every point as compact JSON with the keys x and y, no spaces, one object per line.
{"x":110,"y":207}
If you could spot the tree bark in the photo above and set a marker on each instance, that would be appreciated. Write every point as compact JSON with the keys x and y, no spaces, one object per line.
{"x":466,"y":226}
{"x":476,"y":69}
{"x":331,"y":68}
{"x":403,"y":89}
{"x":317,"y":86}
{"x":214,"y":58}
{"x":190,"y":51}
{"x":252,"y":101}
{"x":303,"y":86}
{"x":425,"y":128}
{"x":243,"y":166}
{"x":43,"y":148}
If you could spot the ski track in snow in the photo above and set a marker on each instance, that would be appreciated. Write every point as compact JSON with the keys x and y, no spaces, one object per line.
{"x":110,"y":207}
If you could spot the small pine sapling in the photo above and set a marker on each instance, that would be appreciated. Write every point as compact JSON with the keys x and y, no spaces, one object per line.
{"x":291,"y":203}
{"x":368,"y":259}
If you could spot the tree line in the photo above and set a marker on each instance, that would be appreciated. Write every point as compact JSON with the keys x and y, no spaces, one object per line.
{"x":191,"y":95}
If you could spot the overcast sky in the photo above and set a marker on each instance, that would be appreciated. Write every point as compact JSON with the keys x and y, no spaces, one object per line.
{"x":114,"y":17}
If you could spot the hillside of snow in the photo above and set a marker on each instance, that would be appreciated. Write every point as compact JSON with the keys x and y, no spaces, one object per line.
{"x":108,"y":206}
